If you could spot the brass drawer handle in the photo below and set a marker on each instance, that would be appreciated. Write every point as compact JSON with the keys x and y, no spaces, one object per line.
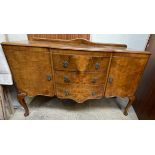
{"x":110,"y":79}
{"x":93,"y":93}
{"x":66,"y":79}
{"x":66,"y":92}
{"x":49,"y":78}
{"x":97,"y":66}
{"x":94,"y":80}
{"x":65,"y":64}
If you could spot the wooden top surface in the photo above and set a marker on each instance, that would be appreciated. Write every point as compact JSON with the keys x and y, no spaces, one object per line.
{"x":76,"y":44}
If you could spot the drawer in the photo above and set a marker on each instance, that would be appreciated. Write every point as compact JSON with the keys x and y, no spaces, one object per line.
{"x":79,"y":93}
{"x":80,"y":77}
{"x":80,"y":63}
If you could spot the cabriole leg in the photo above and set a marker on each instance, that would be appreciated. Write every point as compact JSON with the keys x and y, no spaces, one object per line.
{"x":131,"y":99}
{"x":22,"y":102}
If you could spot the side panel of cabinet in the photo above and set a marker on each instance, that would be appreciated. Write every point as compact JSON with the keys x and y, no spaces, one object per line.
{"x":125,"y":73}
{"x":31,"y":69}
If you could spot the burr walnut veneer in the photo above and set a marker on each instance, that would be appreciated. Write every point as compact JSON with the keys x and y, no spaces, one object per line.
{"x":76,"y":69}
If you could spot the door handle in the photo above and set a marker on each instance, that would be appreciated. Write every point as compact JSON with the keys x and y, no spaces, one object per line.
{"x":110,"y":79}
{"x":97,"y":66}
{"x":49,"y":77}
{"x":65,"y":64}
{"x":66,"y":79}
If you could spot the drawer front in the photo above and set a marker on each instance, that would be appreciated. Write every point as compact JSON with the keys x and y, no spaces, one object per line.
{"x":79,"y":93}
{"x":80,"y":63}
{"x":77,"y":77}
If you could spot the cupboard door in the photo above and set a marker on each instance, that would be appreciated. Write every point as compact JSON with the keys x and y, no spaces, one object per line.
{"x":124,"y":74}
{"x":31,"y":69}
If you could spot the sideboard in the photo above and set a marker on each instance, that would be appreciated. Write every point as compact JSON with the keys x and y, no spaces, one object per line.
{"x":76,"y":69}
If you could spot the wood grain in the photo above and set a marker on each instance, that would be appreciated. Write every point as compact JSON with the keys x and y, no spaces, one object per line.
{"x":30,"y":69}
{"x":85,"y":92}
{"x":125,"y":73}
{"x":85,"y":45}
{"x":80,"y":63}
{"x":68,"y":69}
{"x":6,"y":107}
{"x":58,"y":36}
{"x":80,"y":77}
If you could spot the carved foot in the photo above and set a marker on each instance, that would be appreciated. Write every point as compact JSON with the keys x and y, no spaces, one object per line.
{"x":125,"y":113}
{"x":131,"y":99}
{"x":22,"y":102}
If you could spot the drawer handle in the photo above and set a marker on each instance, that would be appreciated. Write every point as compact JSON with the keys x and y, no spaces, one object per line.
{"x":93,"y":93}
{"x":94,"y":80}
{"x":66,"y":92}
{"x":49,"y":78}
{"x":110,"y":79}
{"x":65,"y":64}
{"x":66,"y":79}
{"x":97,"y":66}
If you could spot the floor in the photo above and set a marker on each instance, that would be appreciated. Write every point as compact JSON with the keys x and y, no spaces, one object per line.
{"x":46,"y":108}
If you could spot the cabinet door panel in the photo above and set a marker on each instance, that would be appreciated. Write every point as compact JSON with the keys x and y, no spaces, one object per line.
{"x":31,"y":69}
{"x":124,"y":75}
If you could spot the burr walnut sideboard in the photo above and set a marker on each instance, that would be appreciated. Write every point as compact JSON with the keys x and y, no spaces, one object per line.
{"x":76,"y":69}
